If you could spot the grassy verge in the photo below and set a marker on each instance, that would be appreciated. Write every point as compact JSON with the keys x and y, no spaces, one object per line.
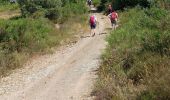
{"x":136,"y":63}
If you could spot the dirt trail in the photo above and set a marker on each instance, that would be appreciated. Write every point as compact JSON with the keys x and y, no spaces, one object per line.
{"x":68,"y":74}
{"x":9,"y":14}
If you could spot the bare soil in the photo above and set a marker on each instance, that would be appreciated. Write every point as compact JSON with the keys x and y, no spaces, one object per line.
{"x":9,"y":14}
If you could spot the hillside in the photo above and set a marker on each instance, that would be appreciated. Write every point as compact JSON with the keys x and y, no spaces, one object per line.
{"x":30,"y":28}
{"x":46,"y":52}
{"x":66,"y":74}
{"x":136,"y":62}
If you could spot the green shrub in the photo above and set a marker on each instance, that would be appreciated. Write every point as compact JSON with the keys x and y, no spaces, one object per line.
{"x":6,"y":6}
{"x":136,"y":63}
{"x":56,"y":10}
{"x":96,"y":2}
{"x":20,"y":38}
{"x":72,"y":10}
{"x":156,"y":40}
{"x":22,"y":33}
{"x":50,"y":7}
{"x":121,"y":4}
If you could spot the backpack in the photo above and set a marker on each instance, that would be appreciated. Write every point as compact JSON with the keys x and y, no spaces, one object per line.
{"x":92,"y":20}
{"x":113,"y":16}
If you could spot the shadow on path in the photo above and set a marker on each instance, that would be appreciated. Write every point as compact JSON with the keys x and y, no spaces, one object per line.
{"x":85,"y":36}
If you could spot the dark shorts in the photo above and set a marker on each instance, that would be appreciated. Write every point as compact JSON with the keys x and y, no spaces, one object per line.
{"x":93,"y":26}
{"x":114,"y":22}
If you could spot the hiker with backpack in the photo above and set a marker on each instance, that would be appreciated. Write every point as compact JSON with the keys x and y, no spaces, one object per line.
{"x":93,"y":24}
{"x":89,"y":2}
{"x":109,"y":10}
{"x":113,"y":18}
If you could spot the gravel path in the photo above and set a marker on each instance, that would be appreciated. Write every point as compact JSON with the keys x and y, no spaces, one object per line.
{"x":68,"y":74}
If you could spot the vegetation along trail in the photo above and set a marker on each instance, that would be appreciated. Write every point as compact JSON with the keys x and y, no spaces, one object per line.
{"x":67,"y":74}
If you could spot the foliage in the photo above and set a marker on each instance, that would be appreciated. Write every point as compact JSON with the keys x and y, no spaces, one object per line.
{"x":33,"y":32}
{"x":96,"y":2}
{"x":161,"y":3}
{"x":136,"y":62}
{"x":121,"y":4}
{"x":52,"y":9}
{"x":21,"y":38}
{"x":72,"y":10}
{"x":49,"y":7}
{"x":23,"y":33}
{"x":6,"y":6}
{"x":4,"y":1}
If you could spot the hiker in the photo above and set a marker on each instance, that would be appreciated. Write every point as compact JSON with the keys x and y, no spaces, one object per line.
{"x":113,"y":18}
{"x":109,"y":11}
{"x":89,"y":2}
{"x":12,"y":1}
{"x":93,"y":24}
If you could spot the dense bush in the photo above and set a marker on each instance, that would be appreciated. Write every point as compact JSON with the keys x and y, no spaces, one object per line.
{"x":49,"y":7}
{"x":72,"y":10}
{"x":96,"y":2}
{"x":5,"y":5}
{"x":52,"y":9}
{"x":21,"y":34}
{"x":19,"y":38}
{"x":3,"y":2}
{"x":157,"y":40}
{"x":136,"y":63}
{"x":161,"y":3}
{"x":121,"y":4}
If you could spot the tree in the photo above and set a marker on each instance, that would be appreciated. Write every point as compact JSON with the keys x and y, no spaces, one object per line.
{"x":121,"y":4}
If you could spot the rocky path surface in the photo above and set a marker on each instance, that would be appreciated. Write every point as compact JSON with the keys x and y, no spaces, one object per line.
{"x":68,"y":74}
